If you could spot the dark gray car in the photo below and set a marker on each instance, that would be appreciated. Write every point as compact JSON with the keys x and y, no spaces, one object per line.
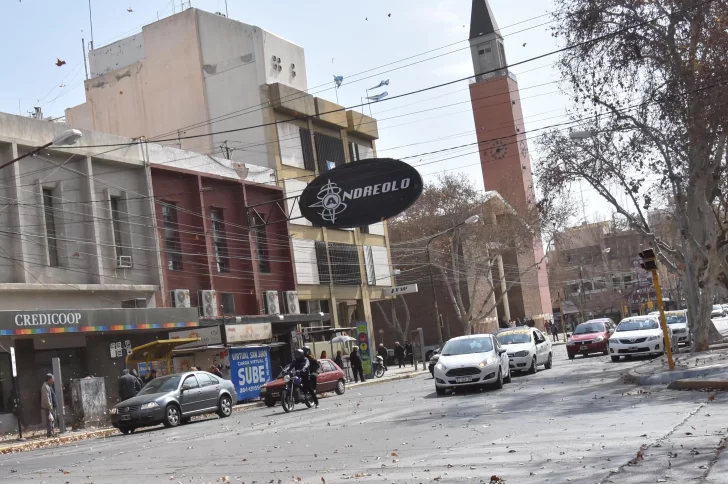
{"x":172,"y":400}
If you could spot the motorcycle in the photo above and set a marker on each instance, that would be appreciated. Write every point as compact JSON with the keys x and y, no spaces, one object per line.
{"x":379,"y":367}
{"x":293,"y":393}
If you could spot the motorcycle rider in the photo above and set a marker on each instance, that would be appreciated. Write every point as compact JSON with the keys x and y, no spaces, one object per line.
{"x":384,"y":353}
{"x":313,"y":368}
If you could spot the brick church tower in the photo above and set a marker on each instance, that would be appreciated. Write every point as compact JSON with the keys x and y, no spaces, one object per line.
{"x":504,"y":157}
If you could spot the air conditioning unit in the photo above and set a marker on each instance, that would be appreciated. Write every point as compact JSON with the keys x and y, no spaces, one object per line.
{"x":272,"y":306}
{"x":123,"y":262}
{"x":291,"y":300}
{"x":180,"y":298}
{"x":208,"y":303}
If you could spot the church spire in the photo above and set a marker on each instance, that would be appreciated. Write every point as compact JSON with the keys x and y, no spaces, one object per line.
{"x":482,"y":21}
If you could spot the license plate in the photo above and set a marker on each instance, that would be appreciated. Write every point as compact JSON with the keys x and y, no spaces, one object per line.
{"x":126,"y":417}
{"x":584,"y":348}
{"x":463,"y":379}
{"x":633,"y":348}
{"x":275,"y":394}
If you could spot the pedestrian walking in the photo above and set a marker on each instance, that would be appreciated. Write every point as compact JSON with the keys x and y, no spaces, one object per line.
{"x":555,"y":332}
{"x":356,"y":365}
{"x":129,"y":385}
{"x":46,"y":404}
{"x":339,"y":360}
{"x":399,"y":353}
{"x":134,"y":373}
{"x":408,"y":351}
{"x":384,"y":353}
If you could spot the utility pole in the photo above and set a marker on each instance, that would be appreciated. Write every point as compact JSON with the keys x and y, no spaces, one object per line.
{"x":649,"y":263}
{"x":581,"y":294}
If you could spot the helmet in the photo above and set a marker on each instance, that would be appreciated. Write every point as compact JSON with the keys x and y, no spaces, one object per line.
{"x":306,"y":351}
{"x":298,"y":354}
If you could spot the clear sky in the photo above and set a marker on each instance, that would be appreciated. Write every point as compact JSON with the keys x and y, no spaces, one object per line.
{"x":342,"y":37}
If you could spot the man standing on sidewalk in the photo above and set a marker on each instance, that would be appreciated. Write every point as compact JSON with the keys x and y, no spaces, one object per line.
{"x":555,"y":332}
{"x":46,"y":404}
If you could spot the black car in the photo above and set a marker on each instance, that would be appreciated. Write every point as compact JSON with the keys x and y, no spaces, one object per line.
{"x":433,"y":361}
{"x":172,"y":400}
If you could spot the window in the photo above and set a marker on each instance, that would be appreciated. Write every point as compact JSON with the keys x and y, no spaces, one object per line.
{"x":218,"y":238}
{"x":327,"y":366}
{"x":228,"y":303}
{"x":171,"y":237}
{"x":481,"y":52}
{"x":344,"y":263}
{"x":330,"y":152}
{"x":190,"y":382}
{"x":261,"y":241}
{"x":307,"y":148}
{"x":206,"y":380}
{"x":116,"y":223}
{"x":50,"y":228}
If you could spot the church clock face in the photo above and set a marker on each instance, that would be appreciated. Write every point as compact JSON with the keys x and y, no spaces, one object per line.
{"x":524,"y":148}
{"x":498,"y":150}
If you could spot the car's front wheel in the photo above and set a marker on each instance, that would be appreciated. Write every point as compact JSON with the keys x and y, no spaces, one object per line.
{"x":499,"y":381}
{"x":225,"y":407}
{"x":440,"y":391}
{"x":532,"y":369}
{"x":269,"y":402}
{"x":340,"y":387}
{"x":549,"y":363}
{"x":127,"y":430}
{"x":507,"y":378}
{"x":172,"y":416}
{"x":615,"y":358}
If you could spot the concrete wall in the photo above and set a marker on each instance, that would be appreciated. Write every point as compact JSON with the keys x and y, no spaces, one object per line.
{"x":118,"y":55}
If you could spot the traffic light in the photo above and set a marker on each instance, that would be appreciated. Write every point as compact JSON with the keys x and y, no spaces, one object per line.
{"x":649,"y":262}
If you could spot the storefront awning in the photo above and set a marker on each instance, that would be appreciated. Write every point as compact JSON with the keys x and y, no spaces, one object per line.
{"x":156,"y":350}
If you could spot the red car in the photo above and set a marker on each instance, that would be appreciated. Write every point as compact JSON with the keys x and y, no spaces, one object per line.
{"x":590,"y":337}
{"x":330,"y":379}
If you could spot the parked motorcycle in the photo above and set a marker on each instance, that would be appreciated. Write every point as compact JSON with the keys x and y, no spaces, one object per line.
{"x":379,"y":367}
{"x":294,"y":392}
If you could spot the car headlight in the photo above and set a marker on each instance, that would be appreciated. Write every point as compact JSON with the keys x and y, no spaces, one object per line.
{"x":569,"y":341}
{"x":440,"y":366}
{"x":599,"y":338}
{"x":149,"y":405}
{"x":489,"y":360}
{"x":113,"y":411}
{"x":654,"y":338}
{"x":520,"y":353}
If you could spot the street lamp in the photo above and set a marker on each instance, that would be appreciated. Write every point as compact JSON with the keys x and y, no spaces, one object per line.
{"x":470,"y":220}
{"x":67,"y":138}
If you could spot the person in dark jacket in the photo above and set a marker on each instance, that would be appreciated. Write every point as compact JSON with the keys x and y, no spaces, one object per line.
{"x":339,"y":360}
{"x":408,"y":351}
{"x":356,"y":366}
{"x":135,"y":374}
{"x":215,"y":371}
{"x":399,"y":353}
{"x":313,"y":370}
{"x":129,"y":385}
{"x":384,"y":353}
{"x":152,"y":375}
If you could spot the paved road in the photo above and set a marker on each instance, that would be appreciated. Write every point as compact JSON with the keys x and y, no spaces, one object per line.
{"x":574,"y":423}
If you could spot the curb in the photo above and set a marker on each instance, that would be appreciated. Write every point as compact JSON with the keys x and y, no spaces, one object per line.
{"x":43,"y":443}
{"x":694,"y":384}
{"x":394,"y":378}
{"x":669,"y":376}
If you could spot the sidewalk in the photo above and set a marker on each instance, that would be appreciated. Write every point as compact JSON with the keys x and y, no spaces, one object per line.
{"x":707,"y":370}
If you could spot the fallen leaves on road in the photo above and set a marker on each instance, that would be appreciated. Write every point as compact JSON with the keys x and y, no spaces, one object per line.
{"x":394,"y":454}
{"x":711,"y":397}
{"x":496,"y":480}
{"x":639,"y":456}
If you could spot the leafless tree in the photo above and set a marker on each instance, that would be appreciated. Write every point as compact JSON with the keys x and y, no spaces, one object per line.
{"x":393,"y":321}
{"x":648,"y":79}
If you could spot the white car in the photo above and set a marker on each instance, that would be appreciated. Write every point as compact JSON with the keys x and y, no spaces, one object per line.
{"x":475,"y":360}
{"x":717,"y":312}
{"x":527,"y":348}
{"x":638,"y":335}
{"x":677,"y":321}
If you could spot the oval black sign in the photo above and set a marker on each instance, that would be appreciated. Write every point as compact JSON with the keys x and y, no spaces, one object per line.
{"x":360,"y":193}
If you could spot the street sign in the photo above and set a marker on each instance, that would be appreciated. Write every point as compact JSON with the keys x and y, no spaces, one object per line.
{"x":112,"y":350}
{"x":119,"y":353}
{"x":12,"y":361}
{"x":396,"y":290}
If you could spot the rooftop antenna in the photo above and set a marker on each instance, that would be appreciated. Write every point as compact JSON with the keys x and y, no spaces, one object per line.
{"x":91,"y":21}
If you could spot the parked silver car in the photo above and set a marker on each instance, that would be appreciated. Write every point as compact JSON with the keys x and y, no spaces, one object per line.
{"x":172,"y":400}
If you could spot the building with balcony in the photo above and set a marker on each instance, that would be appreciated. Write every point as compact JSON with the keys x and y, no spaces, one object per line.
{"x":204,"y":82}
